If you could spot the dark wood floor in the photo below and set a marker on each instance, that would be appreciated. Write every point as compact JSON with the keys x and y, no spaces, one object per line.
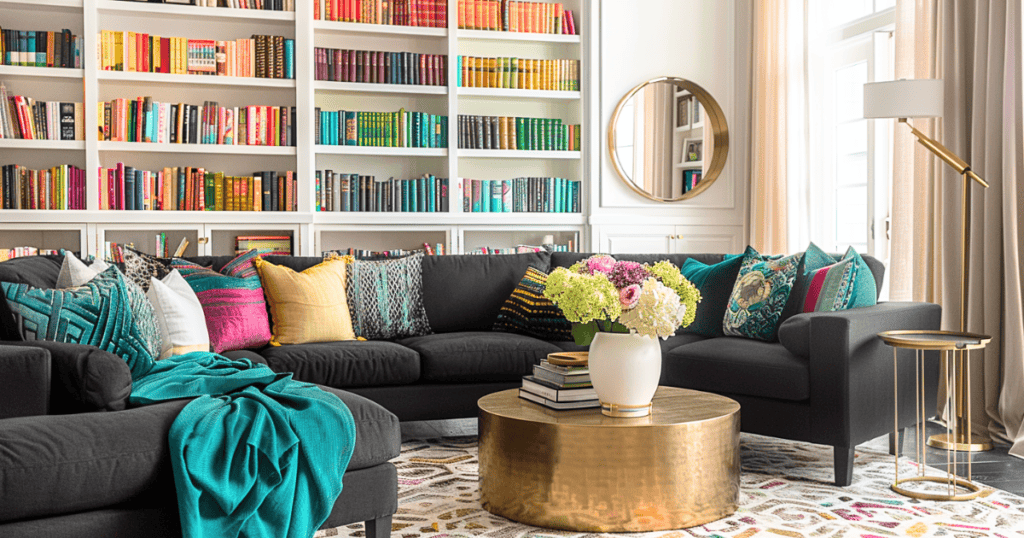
{"x":994,"y":468}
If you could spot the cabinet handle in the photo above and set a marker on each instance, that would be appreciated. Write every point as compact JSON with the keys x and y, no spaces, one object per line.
{"x":204,"y":240}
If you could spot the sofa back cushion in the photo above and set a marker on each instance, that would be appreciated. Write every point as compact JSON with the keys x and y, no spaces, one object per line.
{"x":36,"y":271}
{"x":465,"y":292}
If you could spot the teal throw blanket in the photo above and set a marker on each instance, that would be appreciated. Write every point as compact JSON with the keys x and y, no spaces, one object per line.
{"x":255,"y":453}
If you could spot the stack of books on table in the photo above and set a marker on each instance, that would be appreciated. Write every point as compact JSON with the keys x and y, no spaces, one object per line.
{"x":559,"y":387}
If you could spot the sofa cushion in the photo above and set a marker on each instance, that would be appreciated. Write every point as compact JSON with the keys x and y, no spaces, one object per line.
{"x":840,"y":286}
{"x":385,"y":298}
{"x":308,"y":306}
{"x":139,"y":267}
{"x":378,"y":435}
{"x":759,"y":295}
{"x":477,"y":356}
{"x":465,"y":292}
{"x":36,"y":271}
{"x":715,"y":284}
{"x":527,"y":311}
{"x":738,"y":366}
{"x":346,"y":364}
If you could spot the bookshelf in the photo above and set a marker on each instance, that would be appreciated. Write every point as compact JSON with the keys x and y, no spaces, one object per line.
{"x":312,"y":231}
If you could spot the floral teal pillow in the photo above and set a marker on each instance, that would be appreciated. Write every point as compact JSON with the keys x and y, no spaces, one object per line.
{"x":759,"y":295}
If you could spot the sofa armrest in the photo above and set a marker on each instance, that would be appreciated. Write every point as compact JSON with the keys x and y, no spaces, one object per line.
{"x":852,"y":371}
{"x":84,"y":378}
{"x":24,"y":381}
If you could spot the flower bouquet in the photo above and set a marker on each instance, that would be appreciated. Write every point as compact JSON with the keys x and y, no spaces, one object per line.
{"x":600,"y":294}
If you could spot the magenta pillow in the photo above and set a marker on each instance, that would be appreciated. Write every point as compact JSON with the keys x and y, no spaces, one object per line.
{"x":233,"y":302}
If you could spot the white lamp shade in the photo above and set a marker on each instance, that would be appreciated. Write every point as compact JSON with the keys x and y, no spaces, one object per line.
{"x":916,"y":98}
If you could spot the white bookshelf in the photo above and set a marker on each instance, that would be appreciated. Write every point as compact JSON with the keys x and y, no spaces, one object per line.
{"x":312,"y":231}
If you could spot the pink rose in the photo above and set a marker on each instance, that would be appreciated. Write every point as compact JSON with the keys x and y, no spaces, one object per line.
{"x":600,"y":264}
{"x":629,"y":296}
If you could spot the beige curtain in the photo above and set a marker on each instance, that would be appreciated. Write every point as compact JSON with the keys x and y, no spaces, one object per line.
{"x":974,"y":46}
{"x":768,"y":192}
{"x":658,"y":103}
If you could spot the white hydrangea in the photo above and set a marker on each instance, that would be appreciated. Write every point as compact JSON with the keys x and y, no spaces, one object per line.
{"x":657,"y":314}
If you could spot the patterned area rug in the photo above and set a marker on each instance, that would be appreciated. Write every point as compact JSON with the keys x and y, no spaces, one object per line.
{"x":786,"y":490}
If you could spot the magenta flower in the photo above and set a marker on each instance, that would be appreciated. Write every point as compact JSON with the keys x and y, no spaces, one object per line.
{"x":628,"y":273}
{"x":629,"y":296}
{"x":599,"y":264}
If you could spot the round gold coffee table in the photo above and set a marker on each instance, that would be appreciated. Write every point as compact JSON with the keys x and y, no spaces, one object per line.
{"x":583,"y":471}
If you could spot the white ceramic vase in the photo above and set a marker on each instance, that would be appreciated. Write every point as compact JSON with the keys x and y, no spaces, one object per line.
{"x":625,"y":369}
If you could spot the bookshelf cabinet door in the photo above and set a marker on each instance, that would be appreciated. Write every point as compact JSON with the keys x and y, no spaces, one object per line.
{"x":708,"y":239}
{"x":636,"y":239}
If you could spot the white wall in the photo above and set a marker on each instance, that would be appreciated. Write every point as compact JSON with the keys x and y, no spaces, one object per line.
{"x":705,"y":41}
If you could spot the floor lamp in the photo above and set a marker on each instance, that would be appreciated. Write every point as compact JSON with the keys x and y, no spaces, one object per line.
{"x":923,"y":98}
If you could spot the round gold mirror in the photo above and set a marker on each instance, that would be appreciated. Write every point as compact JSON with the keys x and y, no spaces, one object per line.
{"x":668,"y":139}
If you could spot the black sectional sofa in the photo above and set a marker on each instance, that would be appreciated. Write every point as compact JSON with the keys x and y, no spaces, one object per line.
{"x":831,"y":384}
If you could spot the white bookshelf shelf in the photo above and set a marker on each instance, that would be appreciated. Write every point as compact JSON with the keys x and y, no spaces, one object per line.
{"x":450,"y":218}
{"x":48,"y":145}
{"x":322,"y":149}
{"x":527,"y":94}
{"x":517,"y":36}
{"x":387,"y":29}
{"x":32,"y":4}
{"x":218,"y":149}
{"x":166,"y":78}
{"x":361,"y":87}
{"x":691,"y":164}
{"x":190,"y":12}
{"x":42,"y":72}
{"x":520,"y":154}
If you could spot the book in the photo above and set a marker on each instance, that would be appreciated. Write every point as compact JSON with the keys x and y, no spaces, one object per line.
{"x":562,"y":379}
{"x":583,"y":404}
{"x":556,"y":392}
{"x":180,"y":251}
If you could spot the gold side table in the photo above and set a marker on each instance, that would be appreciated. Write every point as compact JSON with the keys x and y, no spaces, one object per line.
{"x":583,"y":471}
{"x":954,"y":347}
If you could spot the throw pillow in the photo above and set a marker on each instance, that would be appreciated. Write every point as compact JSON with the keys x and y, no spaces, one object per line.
{"x":715,"y":284}
{"x":179,"y":315}
{"x":235,"y":308}
{"x":385,"y":298}
{"x":760,"y":293}
{"x":101,"y":313}
{"x":139,"y":267}
{"x":309,"y":306}
{"x":846,"y":284}
{"x":74,"y":272}
{"x":527,"y":311}
{"x":813,"y":259}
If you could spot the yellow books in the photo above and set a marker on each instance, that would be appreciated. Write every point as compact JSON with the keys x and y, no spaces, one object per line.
{"x":277,"y":126}
{"x":218,"y":192}
{"x":119,"y":51}
{"x":257,"y":196}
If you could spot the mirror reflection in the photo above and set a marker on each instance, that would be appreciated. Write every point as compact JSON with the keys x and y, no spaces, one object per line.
{"x":664,"y":142}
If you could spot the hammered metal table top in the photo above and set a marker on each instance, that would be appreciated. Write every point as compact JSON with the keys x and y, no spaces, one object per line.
{"x":672,"y":406}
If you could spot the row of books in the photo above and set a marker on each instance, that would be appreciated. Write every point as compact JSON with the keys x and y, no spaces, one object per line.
{"x":60,"y":187}
{"x":274,"y":245}
{"x":188,"y":188}
{"x":25,"y":118}
{"x":559,"y":387}
{"x":19,"y":252}
{"x":267,"y":5}
{"x":521,"y":195}
{"x":402,"y":129}
{"x":262,"y":56}
{"x":113,"y":252}
{"x":355,"y":192}
{"x":425,"y":13}
{"x":690,"y":179}
{"x":381,"y":67}
{"x":518,"y":73}
{"x":163,"y":248}
{"x":145,"y":120}
{"x":32,"y":48}
{"x":505,"y":132}
{"x":358,"y":253}
{"x":513,"y":16}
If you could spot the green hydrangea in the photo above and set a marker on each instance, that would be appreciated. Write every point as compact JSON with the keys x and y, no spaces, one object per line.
{"x":689,"y":295}
{"x":581,"y":297}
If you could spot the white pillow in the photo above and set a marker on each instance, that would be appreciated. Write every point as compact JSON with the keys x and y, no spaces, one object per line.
{"x":179,"y":315}
{"x":75,"y":273}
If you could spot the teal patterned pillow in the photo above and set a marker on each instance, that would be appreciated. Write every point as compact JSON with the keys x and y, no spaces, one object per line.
{"x":385,"y":298}
{"x":106,"y":313}
{"x":759,"y":295}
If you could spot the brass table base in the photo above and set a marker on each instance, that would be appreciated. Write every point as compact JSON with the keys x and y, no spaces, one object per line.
{"x":973,"y":490}
{"x":976,"y":443}
{"x":583,"y":471}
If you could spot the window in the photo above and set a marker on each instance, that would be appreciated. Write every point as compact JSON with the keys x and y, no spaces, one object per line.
{"x":849,"y":44}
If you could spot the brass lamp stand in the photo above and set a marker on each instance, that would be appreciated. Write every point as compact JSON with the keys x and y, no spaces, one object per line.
{"x":924,"y":98}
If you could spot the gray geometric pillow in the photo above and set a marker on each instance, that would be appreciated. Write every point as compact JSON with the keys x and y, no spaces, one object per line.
{"x":385,"y":298}
{"x":139,"y":267}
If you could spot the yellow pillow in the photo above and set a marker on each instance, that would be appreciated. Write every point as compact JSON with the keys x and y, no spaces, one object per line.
{"x":309,"y":306}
